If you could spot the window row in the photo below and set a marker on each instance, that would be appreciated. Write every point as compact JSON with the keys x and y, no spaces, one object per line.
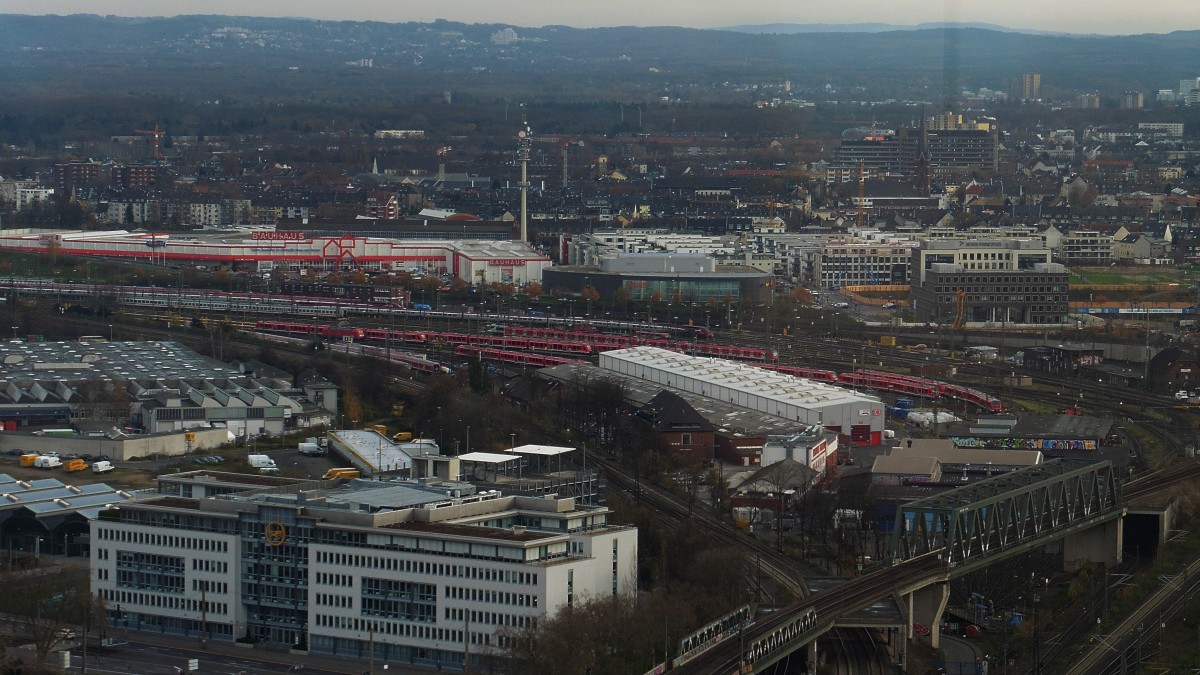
{"x":491,"y":597}
{"x":163,"y":601}
{"x":487,"y":618}
{"x":342,"y":580}
{"x":217,"y":566}
{"x":331,"y":600}
{"x":206,"y":586}
{"x":163,"y":540}
{"x":383,"y":627}
{"x":423,"y":567}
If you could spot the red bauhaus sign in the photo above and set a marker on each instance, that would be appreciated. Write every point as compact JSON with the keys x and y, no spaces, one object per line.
{"x":285,"y":235}
{"x":507,"y":263}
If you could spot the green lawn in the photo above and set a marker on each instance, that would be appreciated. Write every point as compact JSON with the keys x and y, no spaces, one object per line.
{"x":1134,"y":277}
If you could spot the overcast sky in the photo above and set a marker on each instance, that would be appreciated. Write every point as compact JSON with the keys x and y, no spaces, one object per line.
{"x":1077,"y":16}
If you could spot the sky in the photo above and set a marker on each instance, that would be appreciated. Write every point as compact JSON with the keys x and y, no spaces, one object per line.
{"x":1117,"y":17}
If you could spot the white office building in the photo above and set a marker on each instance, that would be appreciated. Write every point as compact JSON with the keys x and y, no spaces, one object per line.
{"x":424,"y":572}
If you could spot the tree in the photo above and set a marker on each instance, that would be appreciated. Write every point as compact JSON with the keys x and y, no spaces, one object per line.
{"x":51,"y":600}
{"x":478,"y":377}
{"x":533,"y":289}
{"x":53,"y":247}
{"x":351,"y":403}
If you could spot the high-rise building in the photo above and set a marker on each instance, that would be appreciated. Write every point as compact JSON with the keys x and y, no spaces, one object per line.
{"x":947,"y":142}
{"x":1031,"y":86}
{"x":1088,"y":101}
{"x":1133,"y":100}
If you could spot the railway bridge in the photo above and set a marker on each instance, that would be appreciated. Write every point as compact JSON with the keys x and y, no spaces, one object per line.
{"x":937,"y":539}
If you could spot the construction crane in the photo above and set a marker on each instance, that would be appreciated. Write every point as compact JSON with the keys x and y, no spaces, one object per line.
{"x":861,"y":214}
{"x":157,"y":134}
{"x":960,"y":308}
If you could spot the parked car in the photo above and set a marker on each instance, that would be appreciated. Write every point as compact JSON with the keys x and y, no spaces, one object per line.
{"x":15,"y":452}
{"x":889,"y":305}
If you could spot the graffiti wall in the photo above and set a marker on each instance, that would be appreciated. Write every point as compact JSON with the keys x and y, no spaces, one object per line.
{"x":1024,"y":443}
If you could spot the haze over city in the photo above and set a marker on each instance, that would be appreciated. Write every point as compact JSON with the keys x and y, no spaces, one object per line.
{"x":1073,"y":16}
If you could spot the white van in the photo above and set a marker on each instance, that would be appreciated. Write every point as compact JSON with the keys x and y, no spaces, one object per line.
{"x":261,"y":462}
{"x":47,"y":462}
{"x":102,"y":466}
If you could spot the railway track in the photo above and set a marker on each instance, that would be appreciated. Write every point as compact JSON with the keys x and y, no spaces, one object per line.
{"x":1156,"y":414}
{"x":673,"y":510}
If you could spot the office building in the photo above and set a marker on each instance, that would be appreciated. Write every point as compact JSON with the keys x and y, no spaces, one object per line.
{"x":427,"y":573}
{"x":999,"y":281}
{"x":861,"y":264}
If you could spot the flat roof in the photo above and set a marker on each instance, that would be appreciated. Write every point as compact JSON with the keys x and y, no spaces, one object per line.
{"x":547,"y":450}
{"x":50,"y":496}
{"x":728,"y":418}
{"x":380,"y":495}
{"x":112,"y":360}
{"x":373,"y":449}
{"x":487,"y":457}
{"x":780,"y":387}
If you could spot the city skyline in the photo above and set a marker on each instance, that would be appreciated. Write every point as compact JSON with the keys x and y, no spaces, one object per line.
{"x":1073,"y":16}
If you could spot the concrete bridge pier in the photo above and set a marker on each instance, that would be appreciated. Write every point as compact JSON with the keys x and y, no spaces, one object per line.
{"x":1099,"y":544}
{"x":925,"y":607}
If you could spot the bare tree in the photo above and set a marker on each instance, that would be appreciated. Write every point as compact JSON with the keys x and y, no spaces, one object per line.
{"x":51,"y":602}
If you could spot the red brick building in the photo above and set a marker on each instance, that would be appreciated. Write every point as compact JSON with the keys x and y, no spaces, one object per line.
{"x":382,"y":206}
{"x":679,"y":427}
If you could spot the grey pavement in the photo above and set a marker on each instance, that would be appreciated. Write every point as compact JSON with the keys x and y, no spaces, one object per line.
{"x":152,"y":654}
{"x":959,"y":655}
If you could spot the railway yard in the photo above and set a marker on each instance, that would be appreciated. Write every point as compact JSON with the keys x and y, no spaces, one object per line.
{"x":1154,"y":427}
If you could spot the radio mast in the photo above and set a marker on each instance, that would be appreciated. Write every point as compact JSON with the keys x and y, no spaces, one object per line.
{"x":524,"y":143}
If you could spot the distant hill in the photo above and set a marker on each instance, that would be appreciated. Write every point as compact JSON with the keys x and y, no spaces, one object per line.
{"x":220,"y":57}
{"x":794,"y":28}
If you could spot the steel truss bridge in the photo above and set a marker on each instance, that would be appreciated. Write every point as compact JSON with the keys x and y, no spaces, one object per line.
{"x":1019,"y":510}
{"x":935,"y":540}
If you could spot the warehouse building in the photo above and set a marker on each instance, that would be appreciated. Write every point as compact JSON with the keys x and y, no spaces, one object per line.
{"x":499,"y":261}
{"x":156,"y":387}
{"x":421,"y":573}
{"x":858,"y":416}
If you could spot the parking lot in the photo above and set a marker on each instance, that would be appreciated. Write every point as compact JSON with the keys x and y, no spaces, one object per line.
{"x":140,"y":474}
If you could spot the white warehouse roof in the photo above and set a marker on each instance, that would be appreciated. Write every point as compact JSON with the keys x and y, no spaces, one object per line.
{"x":793,"y":398}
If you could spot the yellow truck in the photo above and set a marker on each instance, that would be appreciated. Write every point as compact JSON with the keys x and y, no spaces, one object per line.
{"x":402,"y":437}
{"x":28,"y":460}
{"x":75,"y":465}
{"x":344,"y":473}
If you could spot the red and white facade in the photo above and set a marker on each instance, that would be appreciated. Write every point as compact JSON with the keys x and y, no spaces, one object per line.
{"x":472,"y":261}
